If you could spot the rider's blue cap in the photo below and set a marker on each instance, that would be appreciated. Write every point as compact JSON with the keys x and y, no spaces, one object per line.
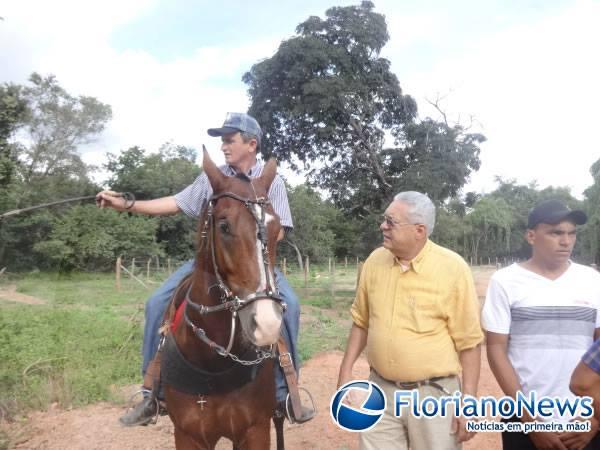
{"x":238,"y":122}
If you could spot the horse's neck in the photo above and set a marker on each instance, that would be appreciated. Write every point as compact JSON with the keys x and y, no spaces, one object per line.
{"x":205,"y":291}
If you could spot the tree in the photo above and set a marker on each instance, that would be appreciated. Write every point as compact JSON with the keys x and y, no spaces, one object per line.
{"x":327,"y":99}
{"x":313,"y":217}
{"x":153,"y":175}
{"x":157,"y":175}
{"x":327,"y":95}
{"x":490,"y":222}
{"x":13,"y":113}
{"x":88,"y":238}
{"x":450,"y":228}
{"x":437,"y":158}
{"x":59,"y":123}
{"x":45,"y":161}
{"x":590,"y":237}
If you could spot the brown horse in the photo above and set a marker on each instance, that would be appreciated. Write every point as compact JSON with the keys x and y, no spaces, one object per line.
{"x":217,"y":362}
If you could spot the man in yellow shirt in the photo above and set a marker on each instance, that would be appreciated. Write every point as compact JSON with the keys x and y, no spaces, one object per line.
{"x":416,"y":312}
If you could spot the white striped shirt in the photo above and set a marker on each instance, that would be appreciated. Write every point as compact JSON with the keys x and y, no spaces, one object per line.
{"x":194,"y":198}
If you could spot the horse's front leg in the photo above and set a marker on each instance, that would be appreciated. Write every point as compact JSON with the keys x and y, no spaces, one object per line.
{"x":184,"y":441}
{"x":257,"y":437}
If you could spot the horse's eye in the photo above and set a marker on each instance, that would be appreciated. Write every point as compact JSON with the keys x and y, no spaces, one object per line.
{"x":224,"y":227}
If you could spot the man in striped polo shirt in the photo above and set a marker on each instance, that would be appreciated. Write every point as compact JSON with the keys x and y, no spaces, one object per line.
{"x":540,"y":317}
{"x":241,"y":137}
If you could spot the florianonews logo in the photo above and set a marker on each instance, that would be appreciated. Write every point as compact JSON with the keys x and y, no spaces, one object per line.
{"x":364,"y":417}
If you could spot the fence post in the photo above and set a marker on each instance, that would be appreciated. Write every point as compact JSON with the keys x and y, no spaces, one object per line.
{"x":357,"y":260}
{"x":132,"y":266}
{"x":148,"y":268}
{"x":332,"y":281}
{"x":169,"y":265}
{"x":345,"y":262}
{"x":118,"y":273}
{"x":157,"y":263}
{"x":306,"y":271}
{"x":329,"y":264}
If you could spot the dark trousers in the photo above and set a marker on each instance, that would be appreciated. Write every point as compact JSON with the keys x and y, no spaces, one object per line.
{"x":521,"y":441}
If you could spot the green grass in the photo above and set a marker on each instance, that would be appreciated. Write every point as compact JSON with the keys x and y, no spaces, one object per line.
{"x":323,"y":333}
{"x":86,"y":339}
{"x":72,"y":349}
{"x":329,"y":297}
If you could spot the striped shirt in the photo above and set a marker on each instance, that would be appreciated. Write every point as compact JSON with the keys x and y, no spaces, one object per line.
{"x":194,"y":198}
{"x":591,"y":358}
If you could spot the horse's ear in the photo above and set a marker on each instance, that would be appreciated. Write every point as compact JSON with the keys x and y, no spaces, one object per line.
{"x":215,"y":176}
{"x":268,"y":173}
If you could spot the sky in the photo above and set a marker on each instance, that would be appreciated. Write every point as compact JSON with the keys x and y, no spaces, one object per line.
{"x":524,"y":73}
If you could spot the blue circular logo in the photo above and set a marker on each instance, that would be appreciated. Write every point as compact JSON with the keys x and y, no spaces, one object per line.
{"x":367,"y":415}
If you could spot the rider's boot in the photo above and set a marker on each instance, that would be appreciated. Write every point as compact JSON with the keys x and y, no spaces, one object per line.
{"x":147,"y":411}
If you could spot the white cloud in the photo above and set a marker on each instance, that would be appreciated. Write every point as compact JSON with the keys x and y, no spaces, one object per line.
{"x":152,"y":101}
{"x":410,"y":29}
{"x":533,"y":87}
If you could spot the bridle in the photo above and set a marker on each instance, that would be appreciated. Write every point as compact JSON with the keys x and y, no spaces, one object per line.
{"x":230,"y":301}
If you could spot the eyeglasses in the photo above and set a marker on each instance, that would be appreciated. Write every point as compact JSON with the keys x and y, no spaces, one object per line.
{"x":391,"y":222}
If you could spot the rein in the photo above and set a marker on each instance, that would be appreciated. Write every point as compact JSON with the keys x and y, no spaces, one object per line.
{"x":230,"y":301}
{"x":128,"y":196}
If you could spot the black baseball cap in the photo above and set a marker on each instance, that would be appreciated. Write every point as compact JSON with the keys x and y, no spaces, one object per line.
{"x":553,"y":212}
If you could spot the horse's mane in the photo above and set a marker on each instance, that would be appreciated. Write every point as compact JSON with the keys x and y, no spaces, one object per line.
{"x":243,"y":177}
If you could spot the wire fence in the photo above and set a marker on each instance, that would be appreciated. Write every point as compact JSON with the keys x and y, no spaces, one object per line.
{"x":149,"y":271}
{"x":339,"y":276}
{"x":335,"y":275}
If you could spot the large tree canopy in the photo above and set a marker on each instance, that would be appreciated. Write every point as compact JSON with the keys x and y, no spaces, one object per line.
{"x":58,"y":124}
{"x":328,"y":100}
{"x":41,"y":161}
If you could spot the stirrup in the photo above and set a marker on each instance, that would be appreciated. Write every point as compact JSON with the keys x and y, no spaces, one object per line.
{"x":153,"y":397}
{"x":289,"y":413}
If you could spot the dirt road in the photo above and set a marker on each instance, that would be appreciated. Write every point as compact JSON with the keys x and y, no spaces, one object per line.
{"x":95,"y":427}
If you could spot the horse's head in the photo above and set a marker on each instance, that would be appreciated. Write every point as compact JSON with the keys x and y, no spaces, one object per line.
{"x":243,"y":237}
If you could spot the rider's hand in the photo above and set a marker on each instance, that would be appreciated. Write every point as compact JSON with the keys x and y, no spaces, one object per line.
{"x":111,"y":199}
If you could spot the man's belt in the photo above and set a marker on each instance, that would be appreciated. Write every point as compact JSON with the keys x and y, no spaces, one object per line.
{"x":433,"y":382}
{"x":409,"y":385}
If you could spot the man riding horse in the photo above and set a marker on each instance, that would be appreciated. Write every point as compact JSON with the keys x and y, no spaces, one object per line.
{"x":241,"y":138}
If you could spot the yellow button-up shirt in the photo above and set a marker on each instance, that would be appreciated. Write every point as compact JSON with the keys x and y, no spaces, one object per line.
{"x":418,"y":319}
